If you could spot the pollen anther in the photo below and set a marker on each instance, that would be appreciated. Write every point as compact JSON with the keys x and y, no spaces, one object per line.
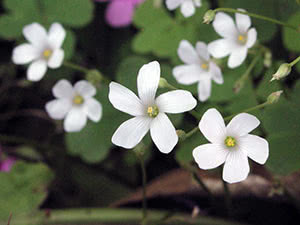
{"x":47,"y":53}
{"x":78,"y":100}
{"x":152,"y":111}
{"x":230,"y":141}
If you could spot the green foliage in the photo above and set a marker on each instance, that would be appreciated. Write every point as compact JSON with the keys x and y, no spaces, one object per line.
{"x":23,"y":189}
{"x":281,"y":122}
{"x":92,"y":144}
{"x":291,"y":38}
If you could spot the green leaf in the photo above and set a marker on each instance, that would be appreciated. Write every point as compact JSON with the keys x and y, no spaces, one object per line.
{"x":23,"y":189}
{"x":291,"y":38}
{"x":93,"y":143}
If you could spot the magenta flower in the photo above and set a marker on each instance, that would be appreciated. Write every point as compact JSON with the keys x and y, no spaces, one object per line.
{"x":5,"y":162}
{"x":119,"y":13}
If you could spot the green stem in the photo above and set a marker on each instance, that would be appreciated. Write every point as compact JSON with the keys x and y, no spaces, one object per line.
{"x":240,"y":82}
{"x":113,"y":216}
{"x":248,"y":110}
{"x":193,"y":131}
{"x":228,"y":199}
{"x":230,"y":10}
{"x":144,"y":174}
{"x":295,"y":61}
{"x":76,"y":67}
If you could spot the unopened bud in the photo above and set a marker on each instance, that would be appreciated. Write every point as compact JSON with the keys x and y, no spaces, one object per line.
{"x":282,"y":71}
{"x":209,"y":16}
{"x":181,"y":134}
{"x":274,"y":97}
{"x":238,"y":85}
{"x":94,"y":77}
{"x":268,"y":59}
{"x":163,"y":83}
{"x":139,"y":150}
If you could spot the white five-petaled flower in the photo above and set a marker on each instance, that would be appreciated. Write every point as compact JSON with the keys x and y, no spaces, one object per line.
{"x":148,"y":112}
{"x":75,"y":104}
{"x":237,"y":39}
{"x":187,"y":7}
{"x":43,"y":50}
{"x":231,"y":145}
{"x":198,"y":68}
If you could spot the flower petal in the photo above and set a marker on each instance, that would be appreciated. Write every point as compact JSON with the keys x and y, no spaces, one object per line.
{"x":35,"y":34}
{"x":204,"y":89}
{"x":119,"y":13}
{"x":125,"y":100}
{"x":187,"y":74}
{"x":187,"y":8}
{"x":251,"y":38}
{"x":6,"y":165}
{"x":243,"y":21}
{"x":224,"y":26}
{"x":147,"y":82}
{"x":242,"y":124}
{"x":212,"y":126}
{"x":210,"y":156}
{"x":58,"y":108}
{"x":24,"y":54}
{"x":56,"y":59}
{"x":75,"y":120}
{"x":163,"y":133}
{"x":202,"y":50}
{"x":237,"y":57}
{"x":255,"y":147}
{"x":221,"y":48}
{"x":85,"y":89}
{"x":187,"y":53}
{"x":176,"y":101}
{"x":93,"y":109}
{"x":56,"y":35}
{"x":197,"y":3}
{"x":37,"y":70}
{"x":131,"y":132}
{"x":216,"y":73}
{"x":63,"y":89}
{"x":173,"y":4}
{"x":236,"y":167}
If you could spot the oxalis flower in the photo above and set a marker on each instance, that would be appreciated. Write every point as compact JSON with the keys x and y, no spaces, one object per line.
{"x":119,"y":13}
{"x":237,"y":39}
{"x":148,"y":112}
{"x":187,"y":7}
{"x":198,"y":68}
{"x":231,"y":145}
{"x":42,"y":51}
{"x":6,"y":163}
{"x":75,"y":104}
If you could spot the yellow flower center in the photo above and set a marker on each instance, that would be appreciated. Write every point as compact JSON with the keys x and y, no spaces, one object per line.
{"x":242,"y":39}
{"x":230,"y":141}
{"x":78,"y":100}
{"x":47,"y":53}
{"x":204,"y":66}
{"x":152,"y":111}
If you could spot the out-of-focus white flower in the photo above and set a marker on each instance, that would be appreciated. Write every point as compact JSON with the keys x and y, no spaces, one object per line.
{"x":42,"y":51}
{"x":75,"y":104}
{"x":148,"y":112}
{"x":187,"y":7}
{"x":231,"y":145}
{"x":237,"y":38}
{"x":198,"y":68}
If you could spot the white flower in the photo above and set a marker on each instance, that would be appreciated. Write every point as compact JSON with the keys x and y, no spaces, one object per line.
{"x":148,"y":112}
{"x":198,"y":68}
{"x":231,"y":145}
{"x":43,"y":50}
{"x":236,"y":38}
{"x":187,"y":7}
{"x":75,"y":104}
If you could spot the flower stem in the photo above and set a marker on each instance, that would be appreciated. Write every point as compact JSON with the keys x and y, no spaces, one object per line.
{"x":295,"y":61}
{"x":76,"y":67}
{"x":193,"y":131}
{"x":248,"y":110}
{"x":230,"y":10}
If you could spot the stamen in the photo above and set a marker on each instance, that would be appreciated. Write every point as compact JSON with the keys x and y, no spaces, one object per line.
{"x":242,"y":39}
{"x":47,"y":53}
{"x":204,"y":66}
{"x":152,"y":111}
{"x":230,"y":141}
{"x":78,"y":100}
